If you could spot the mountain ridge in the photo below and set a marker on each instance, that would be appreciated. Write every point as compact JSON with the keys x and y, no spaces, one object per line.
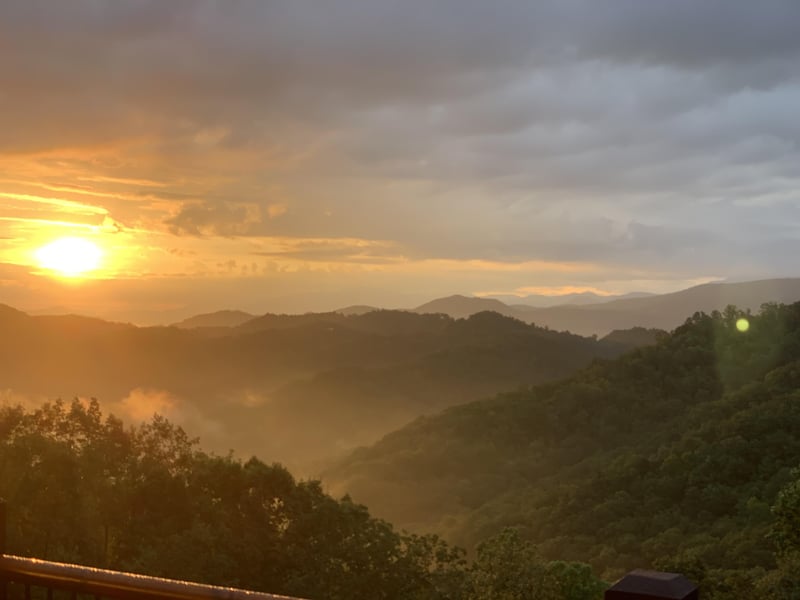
{"x":598,"y":315}
{"x":662,"y":311}
{"x":330,"y":380}
{"x":219,"y":318}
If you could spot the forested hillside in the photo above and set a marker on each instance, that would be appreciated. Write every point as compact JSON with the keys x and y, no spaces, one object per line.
{"x":298,"y":388}
{"x":84,"y":488}
{"x":672,"y":453}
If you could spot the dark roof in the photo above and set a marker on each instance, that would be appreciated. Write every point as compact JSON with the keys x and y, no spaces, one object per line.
{"x":655,"y":583}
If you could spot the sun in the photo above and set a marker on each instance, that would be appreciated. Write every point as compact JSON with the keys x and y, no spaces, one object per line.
{"x":70,"y":256}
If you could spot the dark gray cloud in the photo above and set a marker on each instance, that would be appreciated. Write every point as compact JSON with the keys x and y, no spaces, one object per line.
{"x":214,"y":59}
{"x":683,"y":32}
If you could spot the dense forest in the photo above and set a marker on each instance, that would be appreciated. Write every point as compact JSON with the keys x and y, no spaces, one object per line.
{"x":86,"y":489}
{"x":671,"y":455}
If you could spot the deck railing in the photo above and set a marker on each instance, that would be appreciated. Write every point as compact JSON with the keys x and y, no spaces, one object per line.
{"x":75,"y":580}
{"x":31,"y":574}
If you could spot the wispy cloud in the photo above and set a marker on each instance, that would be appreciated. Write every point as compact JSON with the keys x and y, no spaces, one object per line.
{"x":58,"y":204}
{"x":50,"y":223}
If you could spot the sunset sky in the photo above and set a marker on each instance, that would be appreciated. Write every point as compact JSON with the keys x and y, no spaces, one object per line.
{"x":295,"y":155}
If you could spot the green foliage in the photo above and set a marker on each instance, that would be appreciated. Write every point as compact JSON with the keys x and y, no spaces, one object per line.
{"x":786,"y":529}
{"x":634,"y":337}
{"x":576,"y":581}
{"x":85,"y":489}
{"x":783,"y":583}
{"x":507,"y":568}
{"x":510,"y":568}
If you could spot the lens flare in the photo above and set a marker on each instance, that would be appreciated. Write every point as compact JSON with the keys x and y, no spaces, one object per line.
{"x":742,"y":324}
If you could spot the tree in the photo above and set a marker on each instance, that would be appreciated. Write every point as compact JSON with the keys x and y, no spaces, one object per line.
{"x":147,"y":499}
{"x":576,"y":581}
{"x":509,"y":568}
{"x":786,"y":529}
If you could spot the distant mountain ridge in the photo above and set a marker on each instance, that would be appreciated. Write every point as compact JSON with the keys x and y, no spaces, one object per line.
{"x":220,"y":318}
{"x":664,"y":311}
{"x":578,"y":298}
{"x":583,"y":313}
{"x":356,"y":309}
{"x":459,"y":307}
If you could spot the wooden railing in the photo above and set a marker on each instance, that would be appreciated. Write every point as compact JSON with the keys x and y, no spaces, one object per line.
{"x":115,"y":585}
{"x":31,"y":574}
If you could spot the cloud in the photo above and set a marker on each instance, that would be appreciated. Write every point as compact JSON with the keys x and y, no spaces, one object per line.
{"x":225,"y":219}
{"x":208,"y":75}
{"x":276,"y":210}
{"x":54,"y":204}
{"x":630,"y":133}
{"x":350,"y":250}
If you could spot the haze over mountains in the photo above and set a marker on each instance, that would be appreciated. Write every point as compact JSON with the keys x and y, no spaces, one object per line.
{"x":587,"y":313}
{"x":583,"y":313}
{"x":577,"y":298}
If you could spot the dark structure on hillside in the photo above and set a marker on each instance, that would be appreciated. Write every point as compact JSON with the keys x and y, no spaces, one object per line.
{"x":652,"y":585}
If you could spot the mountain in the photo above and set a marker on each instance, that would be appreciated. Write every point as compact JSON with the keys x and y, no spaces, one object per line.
{"x":294,"y":388}
{"x":356,"y":309}
{"x":460,"y":307}
{"x":635,"y":337}
{"x":665,"y":311}
{"x":221,"y":318}
{"x":300,"y":388}
{"x":53,"y":310}
{"x":672,"y":452}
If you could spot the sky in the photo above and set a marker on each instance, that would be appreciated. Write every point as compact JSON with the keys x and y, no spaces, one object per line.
{"x":289,"y":155}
